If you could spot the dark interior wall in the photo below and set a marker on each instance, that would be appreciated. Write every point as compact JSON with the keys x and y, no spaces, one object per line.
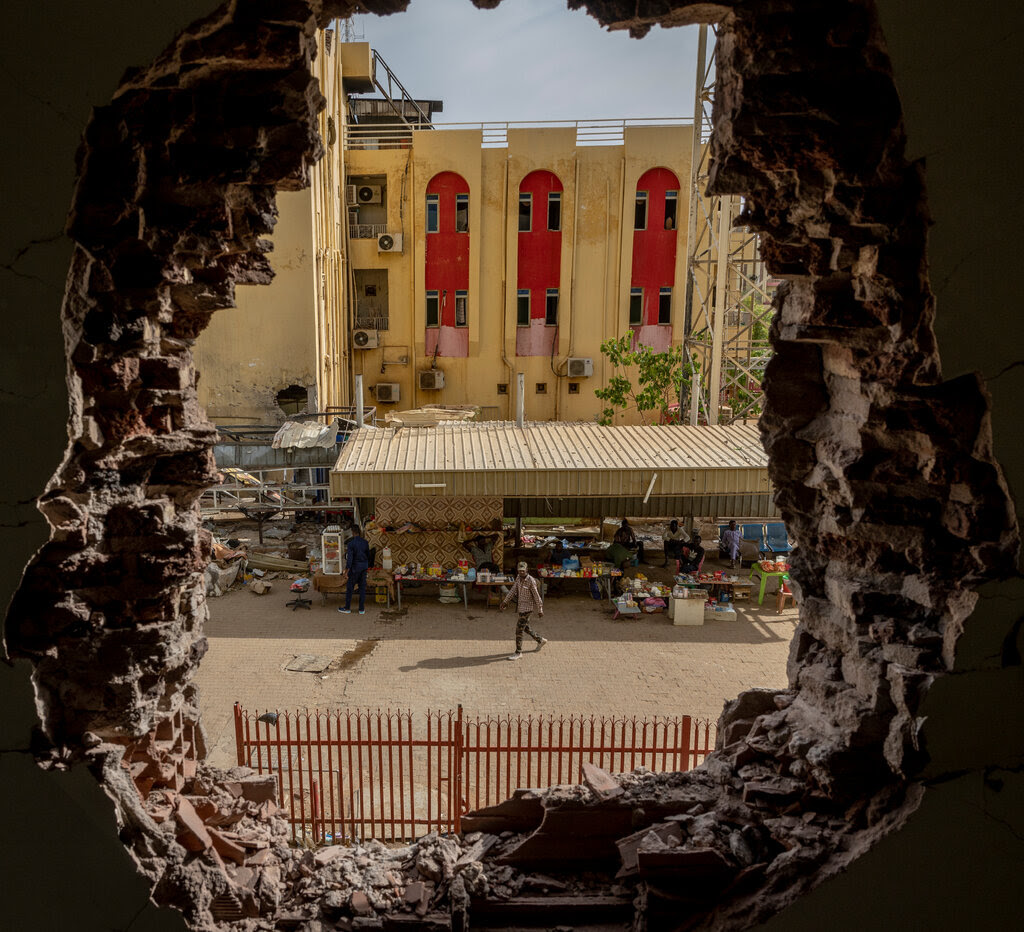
{"x":956,"y":863}
{"x":959,"y":857}
{"x":60,"y":60}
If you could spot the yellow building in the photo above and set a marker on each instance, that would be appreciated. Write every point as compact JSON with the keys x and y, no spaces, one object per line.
{"x":438,"y":264}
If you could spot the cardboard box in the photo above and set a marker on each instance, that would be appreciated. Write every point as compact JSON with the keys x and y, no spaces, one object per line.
{"x":687,"y":611}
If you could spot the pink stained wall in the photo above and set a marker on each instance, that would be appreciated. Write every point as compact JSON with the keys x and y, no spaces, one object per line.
{"x":539,"y":260}
{"x":447,"y":265}
{"x":654,"y":256}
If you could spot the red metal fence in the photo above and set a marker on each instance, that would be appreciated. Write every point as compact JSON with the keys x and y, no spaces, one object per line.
{"x":395,"y":776}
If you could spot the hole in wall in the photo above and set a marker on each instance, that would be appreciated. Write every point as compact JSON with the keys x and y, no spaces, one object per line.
{"x":293,"y":400}
{"x":110,"y":522}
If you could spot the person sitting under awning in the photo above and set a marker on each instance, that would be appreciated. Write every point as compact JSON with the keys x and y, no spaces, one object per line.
{"x":625,"y":536}
{"x":618,"y":556}
{"x":674,"y":538}
{"x":692,"y":556}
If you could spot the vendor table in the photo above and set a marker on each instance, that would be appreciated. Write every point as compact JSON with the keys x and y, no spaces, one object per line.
{"x":718,"y":585}
{"x":604,"y":580}
{"x":493,"y":583}
{"x":438,"y":581}
{"x":765,"y":575}
{"x":334,"y":584}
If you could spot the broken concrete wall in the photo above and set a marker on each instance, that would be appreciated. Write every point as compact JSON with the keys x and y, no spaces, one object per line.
{"x":853,"y":335}
{"x":267,"y":342}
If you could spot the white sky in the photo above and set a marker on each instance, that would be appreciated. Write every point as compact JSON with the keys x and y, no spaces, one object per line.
{"x":532,"y":60}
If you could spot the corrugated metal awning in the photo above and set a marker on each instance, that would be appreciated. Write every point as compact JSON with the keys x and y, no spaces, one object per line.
{"x":552,"y":460}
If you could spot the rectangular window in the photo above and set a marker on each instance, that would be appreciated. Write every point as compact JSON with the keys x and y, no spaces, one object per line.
{"x":636,"y":306}
{"x":551,"y":308}
{"x":525,"y":211}
{"x":461,"y":213}
{"x":433,"y":210}
{"x":665,"y":306}
{"x":523,"y":307}
{"x":461,"y":300}
{"x":503,"y":388}
{"x":433,"y":309}
{"x":640,"y":215}
{"x":574,"y":388}
{"x":555,"y":210}
{"x":542,"y":388}
{"x":671,"y":202}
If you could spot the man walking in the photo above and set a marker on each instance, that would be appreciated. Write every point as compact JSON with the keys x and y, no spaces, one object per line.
{"x":357,"y":562}
{"x":524,"y":590}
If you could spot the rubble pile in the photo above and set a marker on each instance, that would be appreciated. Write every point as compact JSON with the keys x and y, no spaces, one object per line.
{"x":229,"y":858}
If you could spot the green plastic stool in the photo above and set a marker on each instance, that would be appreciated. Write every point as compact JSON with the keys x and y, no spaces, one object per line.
{"x":765,"y":576}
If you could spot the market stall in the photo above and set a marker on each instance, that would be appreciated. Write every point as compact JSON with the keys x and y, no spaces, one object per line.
{"x":430,"y":489}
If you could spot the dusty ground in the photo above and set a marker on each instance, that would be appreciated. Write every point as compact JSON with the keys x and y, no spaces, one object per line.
{"x":436,"y":656}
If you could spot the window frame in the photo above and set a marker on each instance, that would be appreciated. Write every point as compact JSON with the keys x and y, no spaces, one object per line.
{"x":433,"y":207}
{"x":555,"y":201}
{"x":633,"y":294}
{"x":462,"y":296}
{"x":662,"y":294}
{"x":525,"y":199}
{"x":548,"y":295}
{"x":673,"y":198}
{"x":642,"y":198}
{"x":522,"y":293}
{"x":462,"y":208}
{"x":435,"y":296}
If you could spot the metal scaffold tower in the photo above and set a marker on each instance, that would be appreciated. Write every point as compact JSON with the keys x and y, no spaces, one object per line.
{"x":728,"y":295}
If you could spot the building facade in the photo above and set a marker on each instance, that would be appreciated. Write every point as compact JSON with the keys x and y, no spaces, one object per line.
{"x":439,"y":264}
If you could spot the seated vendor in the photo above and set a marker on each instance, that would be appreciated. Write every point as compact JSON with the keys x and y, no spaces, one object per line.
{"x":626,"y":536}
{"x":618,"y":556}
{"x":674,"y":538}
{"x":692,"y":556}
{"x":481,"y":549}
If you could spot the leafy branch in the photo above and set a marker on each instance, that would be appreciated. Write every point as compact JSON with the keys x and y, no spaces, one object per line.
{"x":659,"y":379}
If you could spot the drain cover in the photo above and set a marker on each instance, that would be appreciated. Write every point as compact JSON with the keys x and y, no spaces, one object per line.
{"x":308,"y":663}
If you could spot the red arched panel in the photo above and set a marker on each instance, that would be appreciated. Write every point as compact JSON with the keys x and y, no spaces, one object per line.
{"x":654,"y":253}
{"x":446,"y":258}
{"x":539,"y":259}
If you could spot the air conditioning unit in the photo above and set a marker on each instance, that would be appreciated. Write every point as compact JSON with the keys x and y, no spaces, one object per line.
{"x":389,"y":242}
{"x":353,"y":218}
{"x":431,"y":380}
{"x":351,"y":197}
{"x":580,"y":368}
{"x":364,"y":339}
{"x":368,"y":193}
{"x":387,"y":392}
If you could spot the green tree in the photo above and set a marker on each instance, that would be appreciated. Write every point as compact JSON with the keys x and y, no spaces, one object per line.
{"x":659,"y":379}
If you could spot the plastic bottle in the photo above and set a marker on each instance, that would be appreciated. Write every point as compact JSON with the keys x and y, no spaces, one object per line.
{"x":385,"y":560}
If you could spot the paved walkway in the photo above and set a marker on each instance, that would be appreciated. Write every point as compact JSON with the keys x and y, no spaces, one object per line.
{"x":436,"y":656}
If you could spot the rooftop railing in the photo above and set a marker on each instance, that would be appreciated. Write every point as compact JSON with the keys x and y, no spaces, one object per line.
{"x":495,"y":135}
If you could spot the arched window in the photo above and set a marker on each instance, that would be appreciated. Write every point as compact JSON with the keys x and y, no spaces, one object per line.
{"x":447,"y":265}
{"x":539,"y":258}
{"x":653,"y":299}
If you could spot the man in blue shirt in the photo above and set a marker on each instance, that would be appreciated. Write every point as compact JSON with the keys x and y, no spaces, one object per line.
{"x":357,"y":562}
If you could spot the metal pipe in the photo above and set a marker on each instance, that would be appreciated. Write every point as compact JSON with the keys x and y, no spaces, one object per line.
{"x":650,"y":488}
{"x":360,"y":414}
{"x":721,"y":285}
{"x":520,"y":398}
{"x":504,"y":270}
